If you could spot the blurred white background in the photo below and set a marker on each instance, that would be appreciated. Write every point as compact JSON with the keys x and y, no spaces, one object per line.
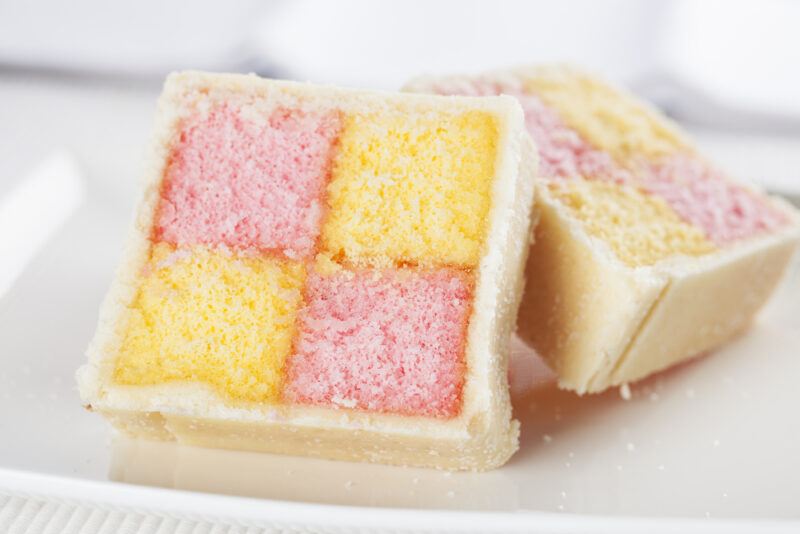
{"x":739,"y":51}
{"x":728,"y":65}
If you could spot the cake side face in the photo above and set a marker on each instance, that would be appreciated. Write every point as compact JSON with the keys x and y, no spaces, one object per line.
{"x":320,"y":258}
{"x":628,"y":203}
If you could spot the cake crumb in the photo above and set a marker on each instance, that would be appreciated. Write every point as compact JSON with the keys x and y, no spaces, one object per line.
{"x":547,"y":438}
{"x":625,"y":391}
{"x":344,"y":402}
{"x":325,"y":265}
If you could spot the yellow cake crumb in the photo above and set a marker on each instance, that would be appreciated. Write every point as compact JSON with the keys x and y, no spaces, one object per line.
{"x":605,"y":118}
{"x":639,"y":228}
{"x":324,"y":265}
{"x":411,"y":188}
{"x":209,"y":316}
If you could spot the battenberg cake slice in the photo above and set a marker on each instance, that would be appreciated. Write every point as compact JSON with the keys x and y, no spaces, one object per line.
{"x":645,"y":254}
{"x":320,"y":271}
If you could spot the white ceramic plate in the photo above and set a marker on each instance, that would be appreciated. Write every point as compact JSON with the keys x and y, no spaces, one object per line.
{"x":711,"y":441}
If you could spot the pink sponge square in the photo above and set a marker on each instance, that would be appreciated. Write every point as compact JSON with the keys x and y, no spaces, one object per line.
{"x":388,"y":341}
{"x":246,"y":183}
{"x":704,"y":197}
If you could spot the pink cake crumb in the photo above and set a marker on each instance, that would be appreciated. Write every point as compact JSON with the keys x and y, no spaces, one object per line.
{"x":563,"y":153}
{"x":245,"y":184}
{"x":702,"y":196}
{"x":387,"y":341}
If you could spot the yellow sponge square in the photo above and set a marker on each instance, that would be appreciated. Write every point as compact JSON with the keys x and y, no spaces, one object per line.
{"x":606,"y":118}
{"x":411,"y":188}
{"x":641,"y":229}
{"x":206,"y":315}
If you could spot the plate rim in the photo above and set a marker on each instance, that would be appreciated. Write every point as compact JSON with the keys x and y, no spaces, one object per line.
{"x":259,"y":512}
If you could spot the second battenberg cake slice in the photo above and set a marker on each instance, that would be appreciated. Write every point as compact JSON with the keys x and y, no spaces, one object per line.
{"x":645,"y":254}
{"x":322,"y":272}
